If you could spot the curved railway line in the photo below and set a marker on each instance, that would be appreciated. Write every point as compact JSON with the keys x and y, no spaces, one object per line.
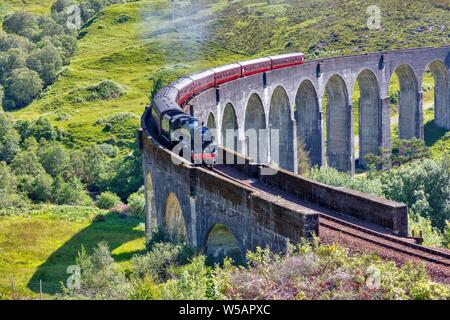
{"x":357,"y":235}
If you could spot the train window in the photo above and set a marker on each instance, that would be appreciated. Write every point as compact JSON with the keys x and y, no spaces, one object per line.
{"x":166,"y":123}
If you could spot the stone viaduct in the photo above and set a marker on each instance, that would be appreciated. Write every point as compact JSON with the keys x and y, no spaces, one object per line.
{"x":291,"y":100}
{"x":311,"y":102}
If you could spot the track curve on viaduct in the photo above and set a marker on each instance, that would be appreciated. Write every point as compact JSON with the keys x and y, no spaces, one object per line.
{"x":235,"y":208}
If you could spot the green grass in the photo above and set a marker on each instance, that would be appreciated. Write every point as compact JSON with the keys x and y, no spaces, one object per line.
{"x":147,"y":43}
{"x":41,"y":245}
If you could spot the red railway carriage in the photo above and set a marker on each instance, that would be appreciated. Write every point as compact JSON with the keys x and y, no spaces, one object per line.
{"x":287,"y":60}
{"x":185,"y":87}
{"x":255,"y":66}
{"x":202,"y":81}
{"x":227,"y":73}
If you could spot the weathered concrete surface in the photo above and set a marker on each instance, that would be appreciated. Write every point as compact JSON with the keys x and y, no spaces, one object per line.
{"x":305,"y":89}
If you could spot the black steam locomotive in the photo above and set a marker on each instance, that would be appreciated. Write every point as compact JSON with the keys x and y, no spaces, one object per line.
{"x":175,"y":128}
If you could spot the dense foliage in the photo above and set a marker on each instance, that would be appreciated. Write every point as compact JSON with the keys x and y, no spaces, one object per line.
{"x":424,"y":185}
{"x":306,"y":271}
{"x":34,"y":49}
{"x":39,"y":168}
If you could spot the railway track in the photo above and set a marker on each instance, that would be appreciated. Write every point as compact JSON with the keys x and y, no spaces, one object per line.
{"x":386,"y":241}
{"x":398,"y":245}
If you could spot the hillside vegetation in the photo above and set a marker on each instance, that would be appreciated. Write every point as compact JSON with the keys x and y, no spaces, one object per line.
{"x":133,"y":43}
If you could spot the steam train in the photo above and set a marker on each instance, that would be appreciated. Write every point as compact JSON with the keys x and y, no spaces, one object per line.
{"x":168,"y":117}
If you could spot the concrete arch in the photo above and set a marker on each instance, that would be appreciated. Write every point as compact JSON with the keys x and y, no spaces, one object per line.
{"x":409,"y":107}
{"x":255,"y":130}
{"x":281,"y":130}
{"x":173,"y":221}
{"x":370,"y":113}
{"x":211,"y":124}
{"x":230,"y":126}
{"x":150,"y":203}
{"x":221,"y":243}
{"x":441,"y":93}
{"x":339,"y":125}
{"x":211,"y":121}
{"x":309,"y":122}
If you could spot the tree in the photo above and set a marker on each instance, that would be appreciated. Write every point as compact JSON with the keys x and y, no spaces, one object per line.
{"x":46,"y":61}
{"x":424,"y":186}
{"x":61,"y":5}
{"x":8,"y":182}
{"x":136,"y":204}
{"x":41,"y":129}
{"x":67,"y":46}
{"x":21,"y":87}
{"x":72,"y":192}
{"x":9,"y":138}
{"x":96,"y":167}
{"x":2,"y":95}
{"x":48,"y":28}
{"x":25,"y":163}
{"x":127,"y":176}
{"x":8,"y":188}
{"x":21,"y":23}
{"x":54,"y":159}
{"x":403,"y":151}
{"x":11,"y":59}
{"x":40,"y":188}
{"x":9,"y":41}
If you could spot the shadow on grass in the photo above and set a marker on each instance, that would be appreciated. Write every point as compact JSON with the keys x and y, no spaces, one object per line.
{"x":113,"y":230}
{"x":433,"y":133}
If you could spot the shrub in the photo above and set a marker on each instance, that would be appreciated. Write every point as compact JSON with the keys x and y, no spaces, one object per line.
{"x":431,"y":236}
{"x":67,"y":45}
{"x":26,"y":163}
{"x":8,"y":187}
{"x":123,"y":18}
{"x":21,"y":23}
{"x":40,"y":129}
{"x":107,"y":200}
{"x":424,"y":186}
{"x":10,"y":60}
{"x":127,"y":177}
{"x":46,"y":61}
{"x":303,"y":157}
{"x":9,"y":41}
{"x":95,"y":167}
{"x":159,"y":260}
{"x":2,"y":95}
{"x":72,"y":192}
{"x":40,"y":189}
{"x":136,"y":204}
{"x":447,"y":234}
{"x":21,"y":87}
{"x":104,"y":90}
{"x":190,"y":282}
{"x":9,"y":138}
{"x":403,"y":151}
{"x":101,"y":278}
{"x":335,"y":178}
{"x":54,"y":159}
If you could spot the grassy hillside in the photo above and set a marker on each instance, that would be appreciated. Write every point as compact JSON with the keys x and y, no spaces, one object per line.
{"x":50,"y":239}
{"x":132,"y":43}
{"x":324,"y":28}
